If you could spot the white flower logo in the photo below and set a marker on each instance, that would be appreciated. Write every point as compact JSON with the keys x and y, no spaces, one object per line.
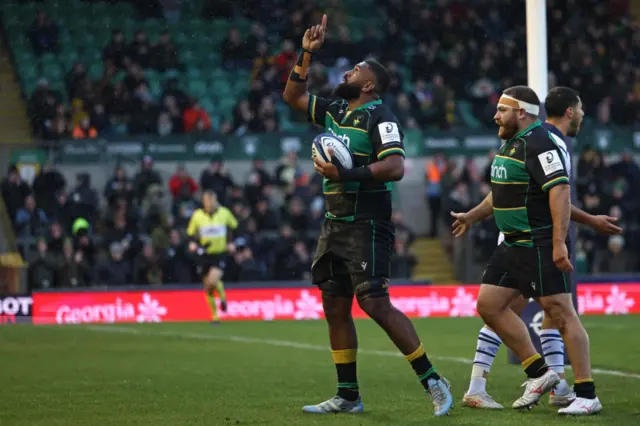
{"x":308,"y":306}
{"x":618,"y":302}
{"x":463,"y":304}
{"x":150,"y":310}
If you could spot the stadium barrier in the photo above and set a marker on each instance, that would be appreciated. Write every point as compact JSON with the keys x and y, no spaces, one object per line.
{"x":297,"y":301}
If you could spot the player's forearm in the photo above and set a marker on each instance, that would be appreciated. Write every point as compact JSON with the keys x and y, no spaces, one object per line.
{"x":482,"y":210}
{"x":391,"y":169}
{"x":580,"y":216}
{"x":296,"y":88}
{"x":560,"y":206}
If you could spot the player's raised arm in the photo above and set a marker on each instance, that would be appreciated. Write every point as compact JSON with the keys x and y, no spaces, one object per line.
{"x":295,"y":93}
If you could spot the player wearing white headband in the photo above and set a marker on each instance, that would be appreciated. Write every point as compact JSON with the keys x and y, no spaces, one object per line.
{"x":530,"y":202}
{"x":564,"y":117}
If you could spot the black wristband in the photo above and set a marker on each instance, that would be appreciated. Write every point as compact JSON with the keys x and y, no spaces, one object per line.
{"x":300,"y":72}
{"x":357,"y":173}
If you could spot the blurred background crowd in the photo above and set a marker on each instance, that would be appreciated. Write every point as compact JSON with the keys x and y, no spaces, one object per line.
{"x":220,"y":66}
{"x":97,"y":69}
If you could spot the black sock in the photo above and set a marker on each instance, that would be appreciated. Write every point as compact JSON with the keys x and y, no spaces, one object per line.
{"x":422,"y":366}
{"x":345,"y":361}
{"x":585,"y":389}
{"x":537,"y":368}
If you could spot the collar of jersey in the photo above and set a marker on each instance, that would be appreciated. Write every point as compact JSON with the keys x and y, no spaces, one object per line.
{"x":522,"y":132}
{"x":376,"y":102}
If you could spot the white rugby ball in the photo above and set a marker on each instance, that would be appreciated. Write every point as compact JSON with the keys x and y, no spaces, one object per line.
{"x":326,"y":141}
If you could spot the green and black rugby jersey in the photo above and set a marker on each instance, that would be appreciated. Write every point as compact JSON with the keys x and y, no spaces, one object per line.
{"x":526,"y":168}
{"x":371,"y":132}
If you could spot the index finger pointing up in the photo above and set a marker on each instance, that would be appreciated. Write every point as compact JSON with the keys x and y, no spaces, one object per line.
{"x":324,"y":22}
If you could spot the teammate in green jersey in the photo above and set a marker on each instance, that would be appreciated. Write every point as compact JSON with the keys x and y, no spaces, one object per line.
{"x":356,"y":238}
{"x":530,"y":201}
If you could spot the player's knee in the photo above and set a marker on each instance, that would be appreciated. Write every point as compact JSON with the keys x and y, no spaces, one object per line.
{"x":214,"y":275}
{"x":373,"y":297}
{"x":487,"y":309}
{"x":336,"y":301}
{"x":558,"y":314}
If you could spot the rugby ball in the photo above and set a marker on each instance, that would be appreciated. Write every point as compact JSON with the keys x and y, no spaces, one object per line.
{"x":326,"y":141}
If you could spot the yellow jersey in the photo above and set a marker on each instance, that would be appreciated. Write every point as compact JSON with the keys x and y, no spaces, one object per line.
{"x":211,"y":230}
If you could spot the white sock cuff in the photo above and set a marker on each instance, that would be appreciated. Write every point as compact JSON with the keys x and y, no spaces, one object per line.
{"x":487,"y":332}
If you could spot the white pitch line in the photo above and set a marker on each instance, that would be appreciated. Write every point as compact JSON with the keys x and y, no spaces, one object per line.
{"x":298,"y":345}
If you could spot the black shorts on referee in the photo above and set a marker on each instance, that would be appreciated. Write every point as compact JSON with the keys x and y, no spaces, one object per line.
{"x":208,"y":261}
{"x":530,"y":270}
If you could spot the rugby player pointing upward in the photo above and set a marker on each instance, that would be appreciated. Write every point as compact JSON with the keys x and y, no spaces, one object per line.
{"x":354,"y":247}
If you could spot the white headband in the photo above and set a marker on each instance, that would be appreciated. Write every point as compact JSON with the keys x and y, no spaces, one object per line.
{"x":511,"y":102}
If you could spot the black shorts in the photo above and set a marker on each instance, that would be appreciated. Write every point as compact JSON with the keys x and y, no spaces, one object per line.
{"x":528,"y":269}
{"x":353,"y":258}
{"x":208,"y":261}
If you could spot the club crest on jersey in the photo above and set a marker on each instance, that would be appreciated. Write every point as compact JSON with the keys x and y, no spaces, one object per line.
{"x":356,"y":121}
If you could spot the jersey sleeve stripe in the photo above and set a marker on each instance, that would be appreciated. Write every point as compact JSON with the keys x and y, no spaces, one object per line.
{"x":390,"y":151}
{"x":511,"y":159}
{"x":312,"y":108}
{"x":554,"y":182}
{"x":509,"y":183}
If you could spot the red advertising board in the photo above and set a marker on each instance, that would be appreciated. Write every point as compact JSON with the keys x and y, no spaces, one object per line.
{"x":289,"y":304}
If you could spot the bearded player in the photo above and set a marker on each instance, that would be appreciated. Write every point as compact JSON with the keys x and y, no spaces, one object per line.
{"x":564,"y":118}
{"x":530,"y":201}
{"x":354,"y":247}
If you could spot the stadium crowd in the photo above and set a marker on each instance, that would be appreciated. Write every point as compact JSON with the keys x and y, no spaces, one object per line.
{"x":75,"y":236}
{"x":444,"y":78}
{"x":447,"y":77}
{"x":603,"y":187}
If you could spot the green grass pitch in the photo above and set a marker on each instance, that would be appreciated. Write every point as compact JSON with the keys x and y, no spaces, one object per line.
{"x":262,"y":373}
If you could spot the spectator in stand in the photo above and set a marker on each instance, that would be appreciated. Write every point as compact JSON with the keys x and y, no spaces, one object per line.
{"x":244,"y":267}
{"x":265,"y":218}
{"x":146,"y":177}
{"x":84,"y":199}
{"x":119,"y":186}
{"x":177,"y":262}
{"x":73,"y":270}
{"x":14,"y":192}
{"x":146,"y":269}
{"x":164,"y":54}
{"x":196,"y":119}
{"x":114,"y":271}
{"x":45,"y":186}
{"x":256,"y":181}
{"x":234,"y":52}
{"x":174,"y":114}
{"x":31,"y":221}
{"x":139,"y":50}
{"x":182,"y":184}
{"x":84,"y":130}
{"x":216,"y":178}
{"x":56,"y":238}
{"x":42,"y":267}
{"x":43,"y":34}
{"x":116,"y":50}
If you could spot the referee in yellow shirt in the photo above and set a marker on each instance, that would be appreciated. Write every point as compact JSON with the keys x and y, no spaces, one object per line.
{"x":210,"y":230}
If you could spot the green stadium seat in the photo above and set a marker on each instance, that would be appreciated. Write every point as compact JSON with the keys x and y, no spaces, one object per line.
{"x":52,"y":72}
{"x":196,"y":88}
{"x":96,"y":71}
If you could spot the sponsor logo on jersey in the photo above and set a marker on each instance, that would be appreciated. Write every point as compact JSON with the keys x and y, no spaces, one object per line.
{"x":498,"y":172}
{"x":344,"y":138}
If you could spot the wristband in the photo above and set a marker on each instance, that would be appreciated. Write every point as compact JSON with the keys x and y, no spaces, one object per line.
{"x":300,"y":72}
{"x":356,"y":174}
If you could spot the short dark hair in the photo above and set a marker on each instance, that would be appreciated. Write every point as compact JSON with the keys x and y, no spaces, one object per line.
{"x":559,"y":99}
{"x":383,"y":77}
{"x":523,"y":93}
